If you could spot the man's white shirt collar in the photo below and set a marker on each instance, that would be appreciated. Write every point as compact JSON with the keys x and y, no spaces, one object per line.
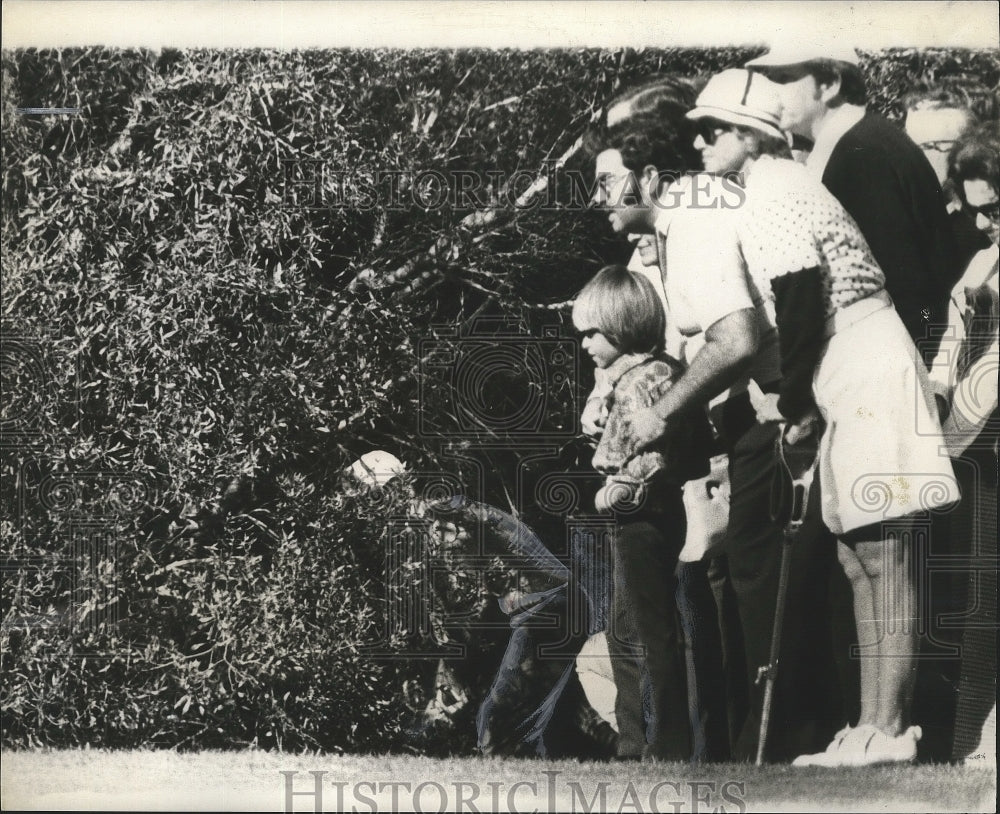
{"x":836,"y":123}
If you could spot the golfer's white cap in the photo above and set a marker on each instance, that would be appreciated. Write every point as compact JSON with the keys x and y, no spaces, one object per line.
{"x":377,"y":468}
{"x":739,"y":96}
{"x":796,"y":52}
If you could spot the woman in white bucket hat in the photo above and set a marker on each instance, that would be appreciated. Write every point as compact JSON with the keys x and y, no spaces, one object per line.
{"x":847,"y":361}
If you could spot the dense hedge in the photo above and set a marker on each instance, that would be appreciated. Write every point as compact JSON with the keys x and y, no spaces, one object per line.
{"x":197,"y":338}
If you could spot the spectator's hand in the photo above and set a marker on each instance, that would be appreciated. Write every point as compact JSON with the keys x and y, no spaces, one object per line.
{"x":803,"y":428}
{"x":617,"y":493}
{"x":765,"y":405}
{"x":593,"y":418}
{"x":642,"y":429}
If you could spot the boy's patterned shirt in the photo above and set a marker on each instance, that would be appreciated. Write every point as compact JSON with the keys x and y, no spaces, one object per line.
{"x":639,"y":380}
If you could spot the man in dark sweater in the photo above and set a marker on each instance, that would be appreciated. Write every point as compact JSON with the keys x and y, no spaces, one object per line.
{"x":879,"y":175}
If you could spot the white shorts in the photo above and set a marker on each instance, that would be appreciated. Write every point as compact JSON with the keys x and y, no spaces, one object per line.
{"x":882,"y":455}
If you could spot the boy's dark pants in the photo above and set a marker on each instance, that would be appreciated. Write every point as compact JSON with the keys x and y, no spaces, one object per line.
{"x":644,"y":640}
{"x":536,"y":706}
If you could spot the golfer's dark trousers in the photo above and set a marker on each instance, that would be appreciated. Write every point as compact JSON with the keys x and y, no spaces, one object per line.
{"x":806,"y":708}
{"x":644,"y":639}
{"x":537,"y":668}
{"x":535,"y":706}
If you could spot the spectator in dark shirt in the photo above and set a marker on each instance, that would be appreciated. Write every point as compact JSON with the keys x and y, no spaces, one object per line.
{"x":878,"y":174}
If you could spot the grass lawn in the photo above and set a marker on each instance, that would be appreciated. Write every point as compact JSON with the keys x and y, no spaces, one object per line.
{"x":252,"y":780}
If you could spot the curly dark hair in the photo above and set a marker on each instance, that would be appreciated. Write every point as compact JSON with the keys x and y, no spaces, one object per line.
{"x":647,"y":125}
{"x":976,"y":155}
{"x":959,"y":92}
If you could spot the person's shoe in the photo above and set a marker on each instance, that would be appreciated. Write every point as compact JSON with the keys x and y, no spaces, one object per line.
{"x":876,"y":747}
{"x":854,"y":746}
{"x":829,"y":756}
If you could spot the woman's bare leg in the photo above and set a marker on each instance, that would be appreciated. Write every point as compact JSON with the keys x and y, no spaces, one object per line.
{"x":888,"y":565}
{"x":869,"y":635}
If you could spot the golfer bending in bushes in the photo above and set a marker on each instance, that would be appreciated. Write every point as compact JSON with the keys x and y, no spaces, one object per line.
{"x":513,"y":613}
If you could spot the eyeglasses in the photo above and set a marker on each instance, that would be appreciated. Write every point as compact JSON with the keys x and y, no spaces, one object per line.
{"x":617,"y":190}
{"x":711,"y":129}
{"x":610,"y":180}
{"x":990,"y":211}
{"x":942,"y":146}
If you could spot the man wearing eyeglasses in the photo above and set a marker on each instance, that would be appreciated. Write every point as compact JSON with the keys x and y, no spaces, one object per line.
{"x":877,"y":173}
{"x":937,"y":116}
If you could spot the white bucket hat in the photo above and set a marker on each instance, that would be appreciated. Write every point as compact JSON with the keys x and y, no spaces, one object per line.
{"x":739,"y":96}
{"x":377,"y":468}
{"x":797,"y":52}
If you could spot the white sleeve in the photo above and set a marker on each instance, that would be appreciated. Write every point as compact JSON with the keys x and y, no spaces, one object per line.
{"x":942,"y":370}
{"x":974,"y":401}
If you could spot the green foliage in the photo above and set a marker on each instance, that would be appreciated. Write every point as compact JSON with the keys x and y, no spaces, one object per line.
{"x":198,"y":337}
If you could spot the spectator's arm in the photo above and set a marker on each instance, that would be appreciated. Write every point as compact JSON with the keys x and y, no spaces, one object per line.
{"x":974,"y":401}
{"x":705,"y":266}
{"x":730,"y":345}
{"x":942,"y":371}
{"x":800,"y":316}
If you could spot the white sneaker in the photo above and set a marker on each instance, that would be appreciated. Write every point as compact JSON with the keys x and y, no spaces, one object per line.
{"x":829,"y":756}
{"x":872,"y":746}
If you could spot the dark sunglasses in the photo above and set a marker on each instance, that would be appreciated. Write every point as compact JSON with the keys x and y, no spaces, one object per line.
{"x":990,"y":211}
{"x":711,"y":129}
